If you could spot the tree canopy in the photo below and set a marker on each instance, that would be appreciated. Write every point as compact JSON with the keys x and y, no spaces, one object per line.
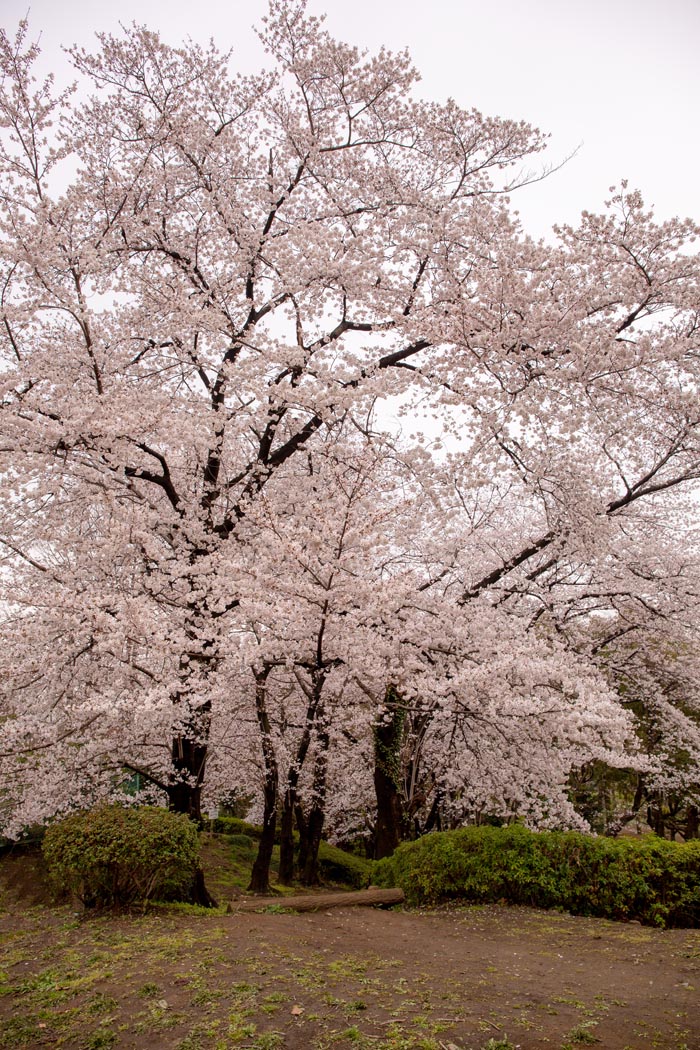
{"x":224,"y":569}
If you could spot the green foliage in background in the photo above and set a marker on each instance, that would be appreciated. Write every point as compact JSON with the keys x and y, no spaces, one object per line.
{"x":650,"y":880}
{"x":113,"y":856}
{"x":334,"y":864}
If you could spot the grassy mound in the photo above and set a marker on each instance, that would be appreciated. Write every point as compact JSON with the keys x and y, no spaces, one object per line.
{"x":650,"y":880}
{"x":335,"y":865}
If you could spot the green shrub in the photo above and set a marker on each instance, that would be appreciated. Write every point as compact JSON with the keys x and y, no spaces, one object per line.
{"x":336,"y":865}
{"x":650,"y":880}
{"x":114,"y":856}
{"x":235,"y":826}
{"x":241,"y":842}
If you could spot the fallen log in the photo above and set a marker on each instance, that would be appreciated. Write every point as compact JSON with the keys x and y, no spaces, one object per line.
{"x":319,"y":901}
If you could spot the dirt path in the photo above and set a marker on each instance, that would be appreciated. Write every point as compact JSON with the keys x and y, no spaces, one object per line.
{"x":356,"y":977}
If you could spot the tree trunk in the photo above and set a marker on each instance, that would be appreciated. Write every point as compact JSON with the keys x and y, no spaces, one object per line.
{"x":655,"y":819}
{"x":286,"y":869}
{"x":303,"y":829}
{"x":434,"y":817}
{"x":309,"y":873}
{"x":260,"y":875}
{"x":189,"y":758}
{"x":388,"y":738}
{"x":199,"y":894}
{"x":291,"y":799}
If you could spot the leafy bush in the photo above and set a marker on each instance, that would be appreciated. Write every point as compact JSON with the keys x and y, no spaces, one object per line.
{"x":235,"y":826}
{"x":242,"y":842}
{"x":650,"y":880}
{"x":113,"y":856}
{"x":336,"y":865}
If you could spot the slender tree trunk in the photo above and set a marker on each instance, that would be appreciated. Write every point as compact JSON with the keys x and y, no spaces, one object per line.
{"x":303,"y":829}
{"x":655,"y":819}
{"x":309,"y":873}
{"x":434,"y":817}
{"x":286,"y":869}
{"x":388,"y":738}
{"x":291,"y":798}
{"x":260,"y":875}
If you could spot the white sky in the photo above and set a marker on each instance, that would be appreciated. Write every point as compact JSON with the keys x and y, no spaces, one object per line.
{"x":620,"y":78}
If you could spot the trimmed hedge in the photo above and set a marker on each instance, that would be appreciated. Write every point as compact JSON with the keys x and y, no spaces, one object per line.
{"x":650,"y":880}
{"x":334,"y":864}
{"x":113,"y":856}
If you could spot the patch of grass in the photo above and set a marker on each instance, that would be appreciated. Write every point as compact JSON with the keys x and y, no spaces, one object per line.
{"x":100,"y":1039}
{"x":239,"y":1027}
{"x":101,"y":1004}
{"x":149,"y":990}
{"x":268,"y":1041}
{"x":20,"y":1031}
{"x":580,"y":1035}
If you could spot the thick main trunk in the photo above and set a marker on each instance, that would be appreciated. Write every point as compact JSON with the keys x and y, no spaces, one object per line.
{"x":185,"y":793}
{"x":260,"y":875}
{"x":199,"y":894}
{"x":189,"y":758}
{"x":388,"y":829}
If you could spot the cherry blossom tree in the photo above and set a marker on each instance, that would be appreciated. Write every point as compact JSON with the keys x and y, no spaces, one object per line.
{"x":211,"y":287}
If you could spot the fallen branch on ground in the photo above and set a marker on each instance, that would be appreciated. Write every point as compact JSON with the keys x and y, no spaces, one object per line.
{"x":320,"y":901}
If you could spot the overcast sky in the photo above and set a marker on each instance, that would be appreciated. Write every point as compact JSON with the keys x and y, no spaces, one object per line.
{"x":618,"y":78}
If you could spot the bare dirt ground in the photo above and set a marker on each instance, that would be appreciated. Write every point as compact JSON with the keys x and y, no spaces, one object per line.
{"x":461,"y":978}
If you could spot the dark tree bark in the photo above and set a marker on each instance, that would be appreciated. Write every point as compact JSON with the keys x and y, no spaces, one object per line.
{"x":286,"y":869}
{"x":309,"y":873}
{"x":291,"y":798}
{"x":199,"y":894}
{"x":286,"y":873}
{"x":434,"y":817}
{"x":260,"y":875}
{"x":655,"y":820}
{"x":303,"y":829}
{"x":388,"y":738}
{"x":189,"y":758}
